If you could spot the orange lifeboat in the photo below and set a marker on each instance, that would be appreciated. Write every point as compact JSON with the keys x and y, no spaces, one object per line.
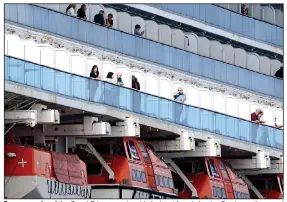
{"x":36,"y":173}
{"x":212,"y":178}
{"x":139,"y":173}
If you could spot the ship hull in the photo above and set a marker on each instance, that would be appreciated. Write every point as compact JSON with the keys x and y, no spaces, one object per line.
{"x":37,"y":187}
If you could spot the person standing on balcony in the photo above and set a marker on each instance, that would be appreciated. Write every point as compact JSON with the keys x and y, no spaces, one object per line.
{"x":179,"y":96}
{"x":99,"y":18}
{"x":82,"y":12}
{"x":137,"y":30}
{"x":109,"y":20}
{"x":244,"y":9}
{"x":95,"y":72}
{"x":119,"y":79}
{"x":135,"y":83}
{"x":70,"y":10}
{"x":255,"y":116}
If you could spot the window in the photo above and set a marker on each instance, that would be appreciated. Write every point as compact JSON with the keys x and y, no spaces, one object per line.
{"x":156,"y":180}
{"x":144,"y":153}
{"x":94,"y":168}
{"x":213,"y":168}
{"x":165,"y":182}
{"x":219,"y":192}
{"x":223,"y":170}
{"x":214,"y":190}
{"x":134,"y":175}
{"x":160,"y":180}
{"x":170,"y":183}
{"x":143,"y":175}
{"x":133,"y":151}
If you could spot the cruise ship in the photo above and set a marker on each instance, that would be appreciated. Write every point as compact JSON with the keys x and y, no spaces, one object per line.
{"x":143,"y":101}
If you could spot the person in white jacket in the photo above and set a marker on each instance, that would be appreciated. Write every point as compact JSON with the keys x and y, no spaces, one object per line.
{"x":70,"y":10}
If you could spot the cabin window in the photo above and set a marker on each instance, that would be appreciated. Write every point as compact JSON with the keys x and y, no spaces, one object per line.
{"x":223,"y":193}
{"x":94,"y":168}
{"x":156,"y":180}
{"x":160,"y":181}
{"x":143,"y":177}
{"x":165,"y":181}
{"x":133,"y":151}
{"x":223,"y":170}
{"x":170,"y":181}
{"x":214,"y":190}
{"x":144,"y":153}
{"x":219,"y":192}
{"x":213,"y":168}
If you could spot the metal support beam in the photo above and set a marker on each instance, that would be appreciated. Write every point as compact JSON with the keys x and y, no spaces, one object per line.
{"x":251,"y":186}
{"x":180,"y":173}
{"x":101,"y":160}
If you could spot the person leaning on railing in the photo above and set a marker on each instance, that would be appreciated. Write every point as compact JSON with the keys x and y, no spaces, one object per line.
{"x":255,"y":116}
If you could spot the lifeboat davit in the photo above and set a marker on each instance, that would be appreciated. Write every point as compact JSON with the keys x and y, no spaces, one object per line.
{"x":212,"y":178}
{"x":36,"y":173}
{"x":139,"y":173}
{"x":270,"y":186}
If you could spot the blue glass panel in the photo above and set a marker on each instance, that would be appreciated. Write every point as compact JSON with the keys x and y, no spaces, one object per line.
{"x":278,"y":88}
{"x":52,"y":26}
{"x":255,"y":84}
{"x":13,"y":12}
{"x":139,"y":47}
{"x":32,"y":75}
{"x":273,"y":35}
{"x":186,"y":61}
{"x":236,"y":23}
{"x":16,"y":70}
{"x":7,"y":11}
{"x":63,"y":83}
{"x":37,"y":14}
{"x":246,"y":27}
{"x":232,"y":74}
{"x":110,"y":37}
{"x":279,"y":37}
{"x":98,"y":91}
{"x":21,"y":14}
{"x":151,"y":106}
{"x":29,"y":10}
{"x":244,"y":79}
{"x":75,"y":28}
{"x":268,"y":33}
{"x":251,"y":29}
{"x":82,"y":32}
{"x":195,"y":65}
{"x":48,"y":79}
{"x":165,"y":55}
{"x":166,"y":110}
{"x":212,"y":14}
{"x":202,"y":12}
{"x":258,"y":30}
{"x":196,"y":11}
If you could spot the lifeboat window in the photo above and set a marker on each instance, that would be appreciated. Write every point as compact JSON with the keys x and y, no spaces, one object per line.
{"x":223,"y":171}
{"x":143,"y":175}
{"x":156,"y":180}
{"x":160,"y":180}
{"x":144,"y":153}
{"x":133,"y":151}
{"x":213,"y":169}
{"x":219,"y":192}
{"x":214,"y":189}
{"x":165,"y":181}
{"x":94,"y":168}
{"x":170,"y":183}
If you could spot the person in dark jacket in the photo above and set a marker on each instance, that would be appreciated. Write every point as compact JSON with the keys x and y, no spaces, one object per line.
{"x":82,"y":12}
{"x":135,"y":83}
{"x":95,"y":72}
{"x":119,"y":79}
{"x":109,"y":21}
{"x":99,"y":18}
{"x":279,"y":73}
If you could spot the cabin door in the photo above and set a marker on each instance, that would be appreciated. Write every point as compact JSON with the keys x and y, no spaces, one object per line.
{"x":148,"y":166}
{"x":227,"y":181}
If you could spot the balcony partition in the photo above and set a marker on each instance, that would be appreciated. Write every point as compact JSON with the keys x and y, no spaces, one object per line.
{"x":101,"y":92}
{"x":140,"y":48}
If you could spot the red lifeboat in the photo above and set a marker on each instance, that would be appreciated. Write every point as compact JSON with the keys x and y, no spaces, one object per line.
{"x":212,"y":178}
{"x":36,"y":173}
{"x":138,"y":171}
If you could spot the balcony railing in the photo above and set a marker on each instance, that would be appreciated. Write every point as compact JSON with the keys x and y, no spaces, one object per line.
{"x":102,"y":92}
{"x":229,"y":20}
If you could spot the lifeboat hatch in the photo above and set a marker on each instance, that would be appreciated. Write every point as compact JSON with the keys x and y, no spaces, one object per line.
{"x":88,"y":147}
{"x":182,"y":176}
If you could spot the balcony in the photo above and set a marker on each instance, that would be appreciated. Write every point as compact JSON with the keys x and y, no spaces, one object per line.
{"x":102,"y":92}
{"x":144,"y":49}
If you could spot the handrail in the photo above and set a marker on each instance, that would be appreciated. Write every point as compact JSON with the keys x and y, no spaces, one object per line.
{"x":139,"y":91}
{"x":155,"y":41}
